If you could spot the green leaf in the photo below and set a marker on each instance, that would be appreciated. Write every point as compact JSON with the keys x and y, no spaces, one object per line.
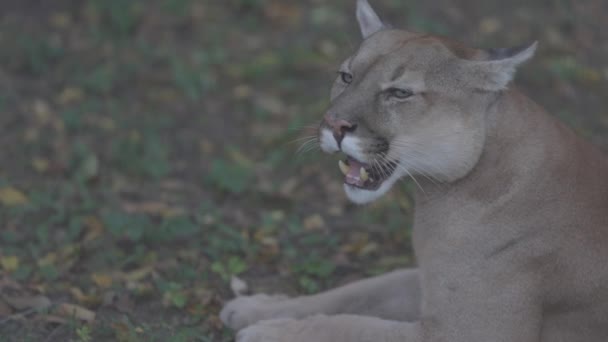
{"x":122,"y":225}
{"x":230,"y":177}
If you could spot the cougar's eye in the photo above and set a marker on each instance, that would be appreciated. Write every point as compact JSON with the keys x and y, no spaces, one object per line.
{"x":346,"y":77}
{"x":400,"y":94}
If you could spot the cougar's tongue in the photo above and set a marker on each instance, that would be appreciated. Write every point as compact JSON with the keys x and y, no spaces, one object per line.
{"x":353,"y":177}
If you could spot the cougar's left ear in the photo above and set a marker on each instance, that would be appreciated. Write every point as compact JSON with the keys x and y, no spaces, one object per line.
{"x":369,"y":21}
{"x":497,"y":71}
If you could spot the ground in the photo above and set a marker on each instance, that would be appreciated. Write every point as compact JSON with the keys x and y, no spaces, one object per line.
{"x":149,"y":152}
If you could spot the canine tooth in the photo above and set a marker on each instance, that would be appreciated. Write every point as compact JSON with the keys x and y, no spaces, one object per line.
{"x":343,"y":167}
{"x":363,"y":174}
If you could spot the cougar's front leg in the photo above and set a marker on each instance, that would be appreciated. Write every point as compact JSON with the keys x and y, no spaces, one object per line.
{"x":394,"y":296}
{"x":341,"y":328}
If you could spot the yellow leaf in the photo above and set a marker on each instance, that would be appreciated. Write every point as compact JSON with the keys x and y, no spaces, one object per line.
{"x":83,"y":298}
{"x":94,"y":229}
{"x":21,"y":302}
{"x":40,"y":164}
{"x":314,"y":222}
{"x":70,"y":95}
{"x":206,"y":147}
{"x":60,"y":20}
{"x":74,"y":311}
{"x":12,"y":197}
{"x":9,"y":263}
{"x":42,"y":111}
{"x":139,"y":274}
{"x":49,"y":259}
{"x":102,"y":280}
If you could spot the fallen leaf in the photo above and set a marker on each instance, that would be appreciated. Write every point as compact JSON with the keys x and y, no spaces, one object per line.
{"x":5,"y":309}
{"x":41,"y":165}
{"x":89,"y":168}
{"x":283,"y":12}
{"x":70,"y":95}
{"x":42,"y":111}
{"x":53,"y":319}
{"x":49,"y":259}
{"x":121,"y":332}
{"x":138,"y":274}
{"x":12,"y":197}
{"x":60,"y":20}
{"x":83,"y":298}
{"x":74,"y":311}
{"x":120,"y":301}
{"x":102,"y":280}
{"x":9,"y":263}
{"x":94,"y":229}
{"x":314,"y":222}
{"x":242,"y":91}
{"x":490,"y":25}
{"x":22,"y":302}
{"x":207,"y":147}
{"x":152,"y":208}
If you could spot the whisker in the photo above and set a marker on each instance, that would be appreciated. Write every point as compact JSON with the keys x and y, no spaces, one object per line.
{"x":308,"y":146}
{"x":401,"y":167}
{"x":309,"y":137}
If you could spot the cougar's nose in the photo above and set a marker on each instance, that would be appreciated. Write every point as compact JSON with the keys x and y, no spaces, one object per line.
{"x":339,"y":127}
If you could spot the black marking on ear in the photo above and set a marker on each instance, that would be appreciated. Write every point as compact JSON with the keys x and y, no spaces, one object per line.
{"x":503,"y":53}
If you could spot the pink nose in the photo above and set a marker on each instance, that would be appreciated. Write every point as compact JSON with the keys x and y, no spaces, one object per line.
{"x":339,"y":127}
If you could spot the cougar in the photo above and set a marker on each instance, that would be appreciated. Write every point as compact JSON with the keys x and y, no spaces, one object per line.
{"x":511,"y":223}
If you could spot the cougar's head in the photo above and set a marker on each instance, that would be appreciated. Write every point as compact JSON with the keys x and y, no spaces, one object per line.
{"x":409,"y":104}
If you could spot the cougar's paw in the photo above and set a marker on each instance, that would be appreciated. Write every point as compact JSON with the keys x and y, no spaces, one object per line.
{"x":266,"y":331}
{"x":245,"y":311}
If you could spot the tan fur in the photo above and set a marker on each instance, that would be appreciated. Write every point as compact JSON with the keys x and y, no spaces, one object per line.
{"x":511,"y":223}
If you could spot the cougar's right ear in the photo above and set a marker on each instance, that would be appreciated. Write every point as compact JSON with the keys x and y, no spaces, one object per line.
{"x":495,"y":73}
{"x":369,"y":21}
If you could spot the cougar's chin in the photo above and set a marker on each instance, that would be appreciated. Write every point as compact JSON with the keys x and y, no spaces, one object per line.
{"x":365,"y":182}
{"x":363,"y":196}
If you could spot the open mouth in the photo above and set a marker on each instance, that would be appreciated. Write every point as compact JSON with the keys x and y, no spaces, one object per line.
{"x":364,"y":176}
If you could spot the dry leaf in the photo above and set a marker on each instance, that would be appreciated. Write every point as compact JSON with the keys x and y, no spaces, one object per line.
{"x":49,"y":259}
{"x":42,"y":111}
{"x":83,"y":298}
{"x":74,"y":311}
{"x":53,"y":319}
{"x":152,"y":208}
{"x":120,"y":301}
{"x":70,"y":95}
{"x":22,"y":302}
{"x":41,"y":165}
{"x":94,"y":229}
{"x":102,"y":280}
{"x":490,"y":25}
{"x":5,"y":309}
{"x":12,"y":197}
{"x":314,"y":222}
{"x":206,"y":147}
{"x":242,"y":91}
{"x":9,"y":263}
{"x":138,"y":274}
{"x":60,"y":20}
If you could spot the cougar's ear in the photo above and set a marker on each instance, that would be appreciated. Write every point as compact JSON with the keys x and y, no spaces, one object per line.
{"x":369,"y":22}
{"x":498,"y":69}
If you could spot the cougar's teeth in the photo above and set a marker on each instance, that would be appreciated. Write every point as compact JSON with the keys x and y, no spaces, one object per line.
{"x":343,"y":167}
{"x":363,"y":174}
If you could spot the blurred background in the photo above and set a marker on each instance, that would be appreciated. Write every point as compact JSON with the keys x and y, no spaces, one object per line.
{"x":149,"y":151}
